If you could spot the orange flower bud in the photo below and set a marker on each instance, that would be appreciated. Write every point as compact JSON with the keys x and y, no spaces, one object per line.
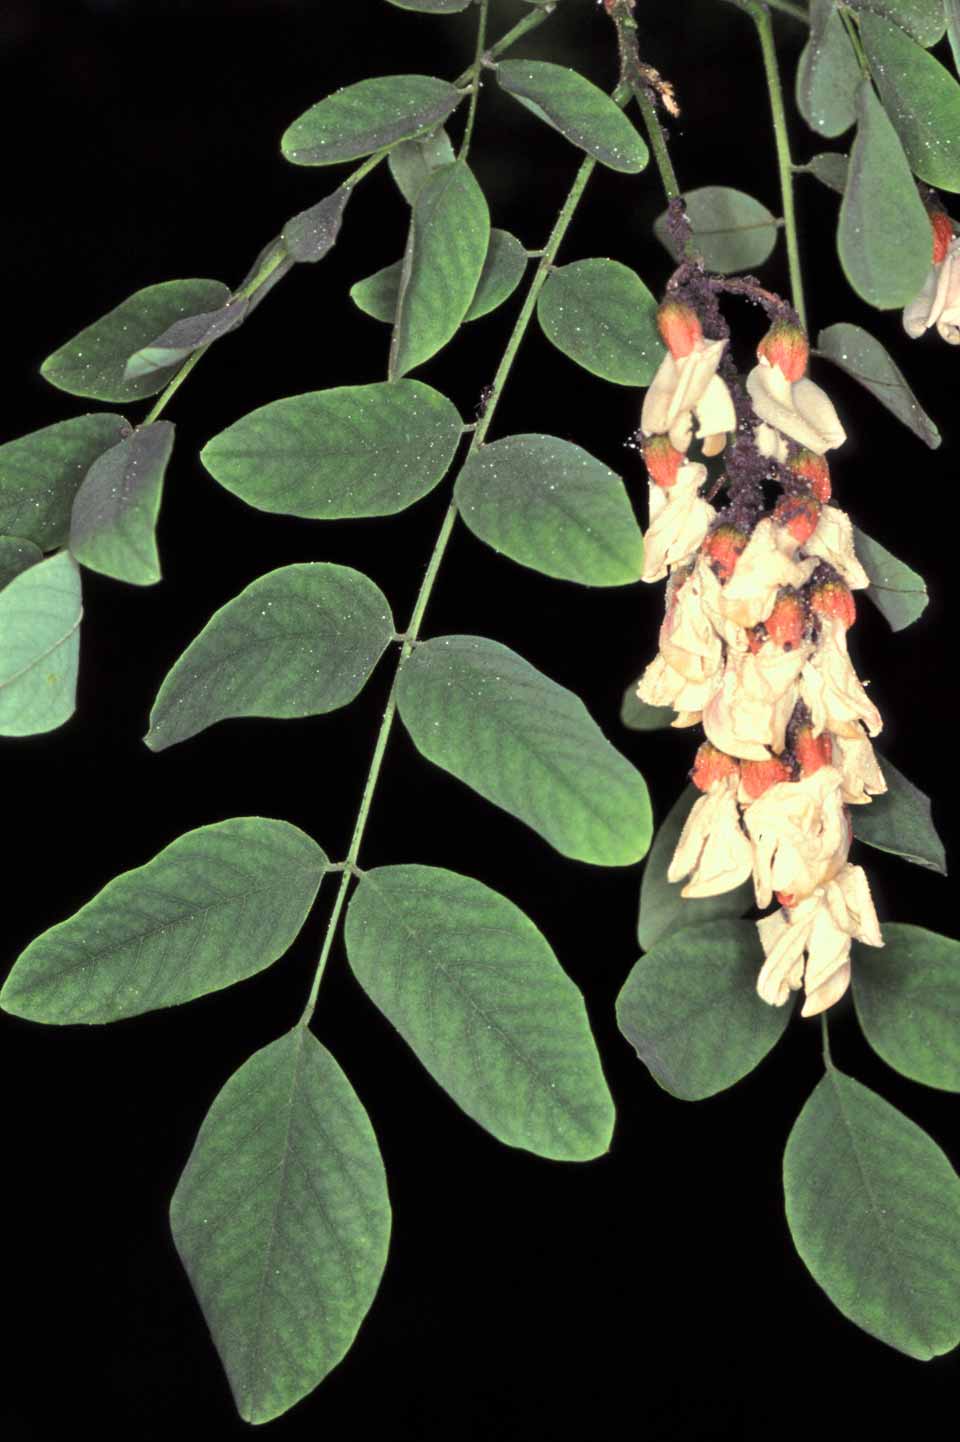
{"x":662,"y":461}
{"x":680,"y":327}
{"x":759,"y":776}
{"x":811,"y":751}
{"x":723,"y":549}
{"x":788,"y":620}
{"x":785,"y":345}
{"x":710,"y":765}
{"x":786,"y":898}
{"x":834,"y":598}
{"x":942,"y":227}
{"x":814,"y":469}
{"x":799,"y":514}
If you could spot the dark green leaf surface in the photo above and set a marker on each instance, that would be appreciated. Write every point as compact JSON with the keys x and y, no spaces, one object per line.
{"x":282,"y":1221}
{"x":907,"y":997}
{"x":855,"y":351}
{"x":40,"y":612}
{"x":601,"y":315}
{"x":690,"y":1009}
{"x":896,"y":590}
{"x":377,"y":295}
{"x":487,"y":716}
{"x":502,"y":272}
{"x":640,"y":717}
{"x":115,"y":511}
{"x":923,"y":19}
{"x":446,"y":249}
{"x":581,"y":112}
{"x":433,"y":7}
{"x":828,"y":73}
{"x":40,"y":474}
{"x":921,"y":98}
{"x":476,"y":991}
{"x":951,"y":10}
{"x":300,"y":641}
{"x":884,"y":234}
{"x":94,"y":362}
{"x":900,"y":821}
{"x":181,"y":339}
{"x":731,"y":230}
{"x":873,"y":1207}
{"x":215,"y":906}
{"x":552,"y":506}
{"x":16,"y":555}
{"x":366,"y":117}
{"x":662,"y":909}
{"x":830,"y":168}
{"x":414,"y":161}
{"x":351,"y":451}
{"x":311,"y":234}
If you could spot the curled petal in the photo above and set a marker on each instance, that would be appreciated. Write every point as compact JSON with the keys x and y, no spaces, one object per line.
{"x":857,"y":762}
{"x":661,"y":685}
{"x":714,"y":409}
{"x":767,"y":564}
{"x":678,"y":386}
{"x":679,"y":520}
{"x":784,"y":942}
{"x":832,"y":541}
{"x":939,"y":301}
{"x":800,"y":834}
{"x":688,"y":641}
{"x":831,"y":689}
{"x":747,"y":715}
{"x":713,"y":850}
{"x":919,"y":313}
{"x":798,"y":409}
{"x":771,"y":443}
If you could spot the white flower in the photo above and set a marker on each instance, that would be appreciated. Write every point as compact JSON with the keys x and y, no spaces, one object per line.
{"x":798,"y":409}
{"x":679,"y":520}
{"x":688,"y":641}
{"x":682,"y":387}
{"x":857,"y":762}
{"x":800,"y":833}
{"x":939,"y":301}
{"x":713,"y":850}
{"x":809,"y":945}
{"x":768,"y":562}
{"x":771,"y":443}
{"x":747,"y":715}
{"x":833,"y":691}
{"x":832,"y":541}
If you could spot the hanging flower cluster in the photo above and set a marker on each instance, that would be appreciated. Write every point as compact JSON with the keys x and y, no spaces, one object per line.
{"x":939,"y":301}
{"x":753,"y":647}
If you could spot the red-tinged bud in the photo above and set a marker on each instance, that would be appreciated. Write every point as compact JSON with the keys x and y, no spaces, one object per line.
{"x":785,"y":345}
{"x":787,"y":621}
{"x":710,"y":765}
{"x":942,"y":227}
{"x":723,"y":549}
{"x":680,"y":327}
{"x":814,"y":469}
{"x":755,"y":638}
{"x":811,"y":751}
{"x":786,"y":898}
{"x":662,"y":461}
{"x":759,"y":776}
{"x":799,"y":514}
{"x":834,"y":598}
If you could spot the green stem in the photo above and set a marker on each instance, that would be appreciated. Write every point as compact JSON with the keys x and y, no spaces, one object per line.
{"x":658,"y":143}
{"x":760,"y":15}
{"x":522,"y":27}
{"x":825,"y":1034}
{"x":853,"y":34}
{"x":433,"y":566}
{"x":475,"y":81}
{"x":787,"y":7}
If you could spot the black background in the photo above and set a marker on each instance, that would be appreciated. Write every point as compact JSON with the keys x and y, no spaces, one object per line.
{"x":654,"y":1292}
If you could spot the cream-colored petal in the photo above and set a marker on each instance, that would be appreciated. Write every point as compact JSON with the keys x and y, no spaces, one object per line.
{"x":677,"y":388}
{"x":858,"y":765}
{"x":771,"y":443}
{"x":679,"y":520}
{"x":917,"y":314}
{"x":714,"y":409}
{"x":948,"y":321}
{"x":828,"y":993}
{"x":832,"y":541}
{"x":767,"y":563}
{"x":728,"y":722}
{"x":801,"y":410}
{"x":655,"y":412}
{"x":800,"y":835}
{"x":815,"y":407}
{"x":853,"y":884}
{"x":688,"y":641}
{"x":686,"y":718}
{"x":831,"y":689}
{"x":783,"y":940}
{"x":713,"y":850}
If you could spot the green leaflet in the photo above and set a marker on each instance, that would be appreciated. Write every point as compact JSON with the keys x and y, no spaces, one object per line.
{"x":873,"y":1207}
{"x":282,"y":1220}
{"x":432,"y":7}
{"x":828,"y":73}
{"x":951,"y":10}
{"x":907,"y":996}
{"x":582,"y":113}
{"x":601,"y":315}
{"x":923,"y":19}
{"x":638,"y":716}
{"x":352,"y":451}
{"x":884,"y":235}
{"x":502,"y":272}
{"x":855,"y":351}
{"x":900,"y":821}
{"x":690,"y":1009}
{"x":214,"y":907}
{"x":40,"y":612}
{"x":447,"y":246}
{"x":662,"y":909}
{"x":486,"y":715}
{"x":94,"y":362}
{"x":831,"y":168}
{"x":921,"y":98}
{"x":116,"y":508}
{"x":195,"y":332}
{"x":308,"y":236}
{"x":16,"y":555}
{"x":300,"y":641}
{"x":549,"y":505}
{"x":731,"y":230}
{"x":898,"y":592}
{"x":414,"y":161}
{"x":367,"y":116}
{"x":41,"y":473}
{"x":477,"y":993}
